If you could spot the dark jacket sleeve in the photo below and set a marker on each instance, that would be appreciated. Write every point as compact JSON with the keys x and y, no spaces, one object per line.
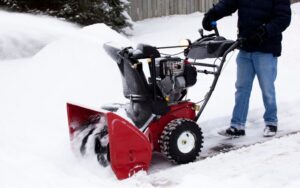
{"x":281,"y":18}
{"x":225,"y":8}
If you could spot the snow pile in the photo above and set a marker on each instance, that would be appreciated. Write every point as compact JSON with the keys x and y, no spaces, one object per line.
{"x":23,"y":35}
{"x":73,"y":67}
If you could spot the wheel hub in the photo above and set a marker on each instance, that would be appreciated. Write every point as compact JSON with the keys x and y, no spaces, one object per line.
{"x":186,"y":142}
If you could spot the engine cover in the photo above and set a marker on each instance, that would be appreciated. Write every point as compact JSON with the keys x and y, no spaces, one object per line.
{"x":172,"y":78}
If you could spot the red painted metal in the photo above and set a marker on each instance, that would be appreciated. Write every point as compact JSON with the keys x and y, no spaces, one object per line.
{"x":78,"y":116}
{"x":181,"y":110}
{"x":130,"y":149}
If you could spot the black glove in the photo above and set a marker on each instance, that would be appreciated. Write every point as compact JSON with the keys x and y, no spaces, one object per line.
{"x":257,"y":37}
{"x":209,"y":17}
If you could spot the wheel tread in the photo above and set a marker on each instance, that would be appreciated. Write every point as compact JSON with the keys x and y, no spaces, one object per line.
{"x":164,"y":140}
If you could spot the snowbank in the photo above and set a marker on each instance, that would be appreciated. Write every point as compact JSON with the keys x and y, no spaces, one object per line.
{"x":34,"y":138}
{"x":23,"y":35}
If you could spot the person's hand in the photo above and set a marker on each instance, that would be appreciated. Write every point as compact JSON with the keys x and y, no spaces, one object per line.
{"x":209,"y":17}
{"x":257,"y":37}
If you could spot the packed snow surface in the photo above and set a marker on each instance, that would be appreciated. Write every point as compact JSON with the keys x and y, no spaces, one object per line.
{"x":45,"y":63}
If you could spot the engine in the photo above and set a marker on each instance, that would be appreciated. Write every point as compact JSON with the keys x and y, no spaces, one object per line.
{"x":173,"y":77}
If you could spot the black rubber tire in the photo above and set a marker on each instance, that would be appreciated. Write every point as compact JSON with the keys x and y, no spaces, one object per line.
{"x":169,"y":139}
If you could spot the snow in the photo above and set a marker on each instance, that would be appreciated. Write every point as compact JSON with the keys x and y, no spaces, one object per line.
{"x":23,"y":35}
{"x":247,"y":167}
{"x":45,"y":63}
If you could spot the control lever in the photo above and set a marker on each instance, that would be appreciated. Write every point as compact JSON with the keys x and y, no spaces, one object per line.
{"x":201,"y":32}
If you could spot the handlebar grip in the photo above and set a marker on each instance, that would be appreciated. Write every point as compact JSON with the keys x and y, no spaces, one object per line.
{"x":214,"y":26}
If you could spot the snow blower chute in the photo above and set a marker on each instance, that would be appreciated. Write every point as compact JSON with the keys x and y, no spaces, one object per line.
{"x":159,"y":117}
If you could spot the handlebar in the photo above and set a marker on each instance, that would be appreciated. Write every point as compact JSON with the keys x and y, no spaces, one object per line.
{"x":147,"y":51}
{"x":235,"y":45}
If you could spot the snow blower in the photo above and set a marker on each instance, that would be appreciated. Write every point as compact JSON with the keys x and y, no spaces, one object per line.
{"x":158,"y":116}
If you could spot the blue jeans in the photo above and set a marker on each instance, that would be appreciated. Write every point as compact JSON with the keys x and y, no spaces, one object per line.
{"x":249,"y":65}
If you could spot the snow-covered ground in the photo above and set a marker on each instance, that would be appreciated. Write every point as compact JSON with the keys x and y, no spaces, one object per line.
{"x":45,"y":63}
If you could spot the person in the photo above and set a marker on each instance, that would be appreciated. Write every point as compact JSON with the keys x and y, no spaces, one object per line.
{"x":261,"y":24}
